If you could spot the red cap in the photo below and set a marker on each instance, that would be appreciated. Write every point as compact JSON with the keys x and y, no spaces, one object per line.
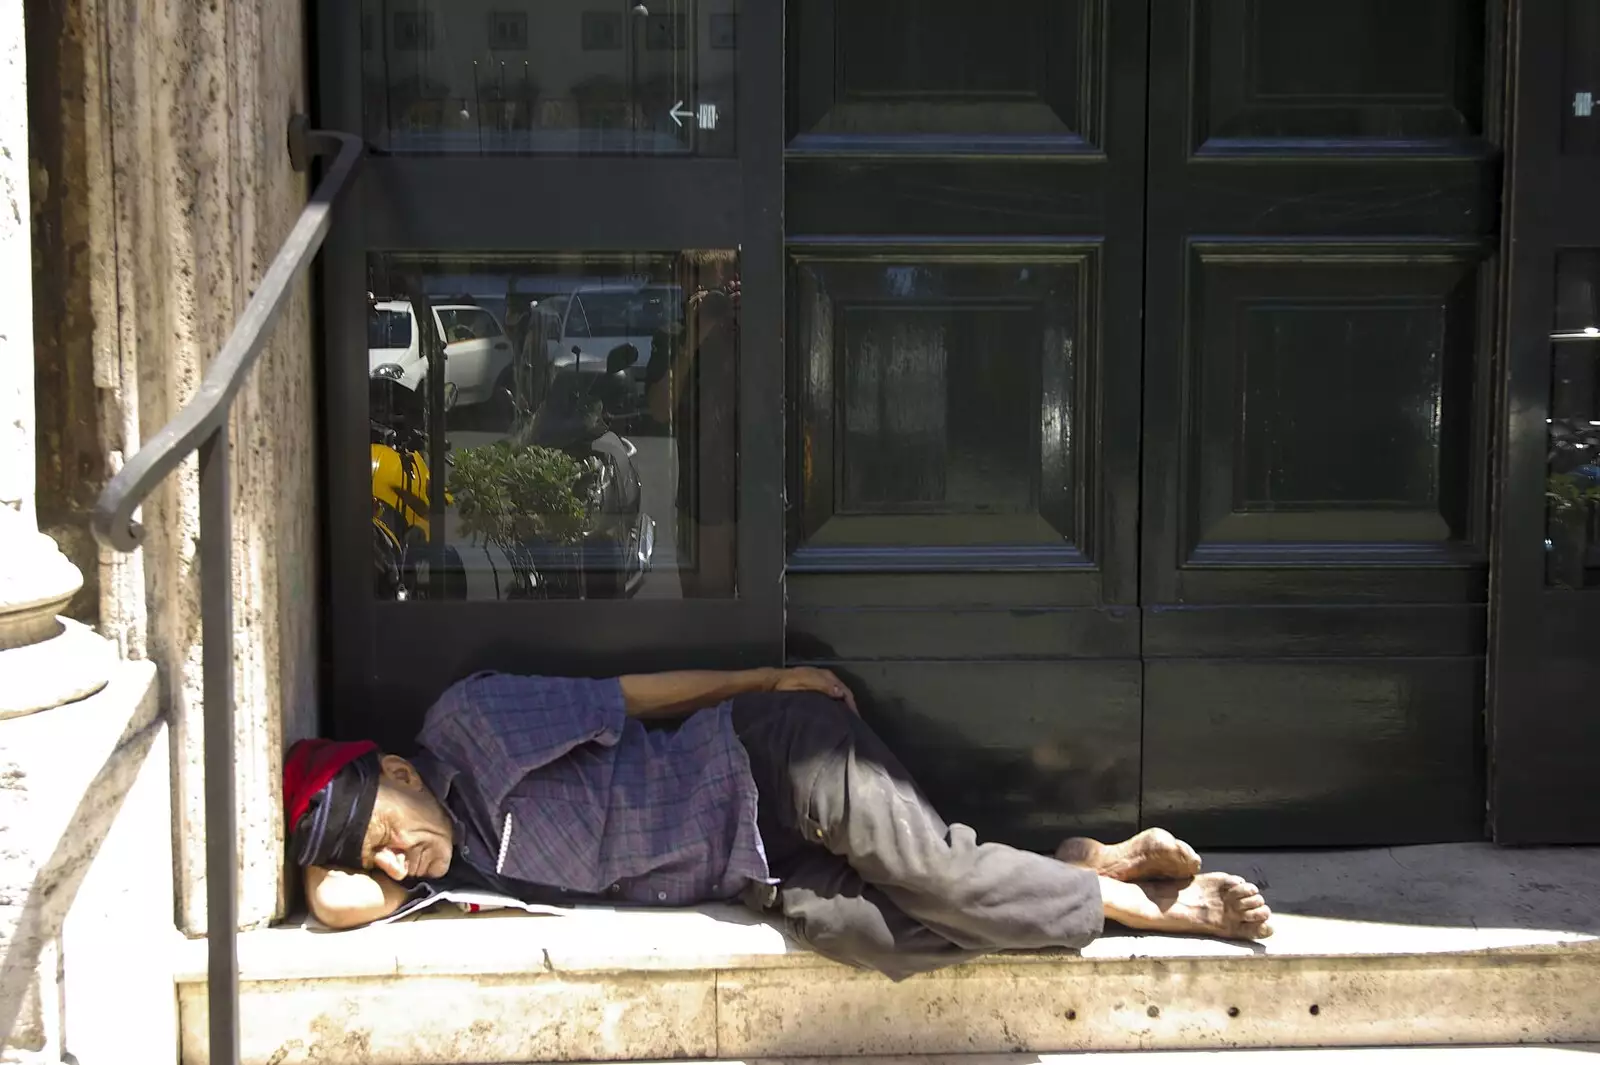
{"x":309,"y":766}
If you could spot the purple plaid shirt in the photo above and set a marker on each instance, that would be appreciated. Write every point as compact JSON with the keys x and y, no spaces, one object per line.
{"x":563,"y":790}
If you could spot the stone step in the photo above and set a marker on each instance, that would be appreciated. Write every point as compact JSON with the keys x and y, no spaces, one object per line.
{"x":1571,"y":1054}
{"x":1465,"y":945}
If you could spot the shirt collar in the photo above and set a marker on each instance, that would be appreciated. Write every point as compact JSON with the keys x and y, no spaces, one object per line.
{"x":440,"y":778}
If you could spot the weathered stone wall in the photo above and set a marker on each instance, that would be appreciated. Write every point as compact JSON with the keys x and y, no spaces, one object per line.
{"x":162,"y":191}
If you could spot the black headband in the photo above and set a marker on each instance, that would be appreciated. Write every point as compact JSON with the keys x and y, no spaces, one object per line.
{"x":335,"y":823}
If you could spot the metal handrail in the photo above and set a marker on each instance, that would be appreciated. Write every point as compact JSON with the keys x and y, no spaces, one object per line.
{"x":202,"y":425}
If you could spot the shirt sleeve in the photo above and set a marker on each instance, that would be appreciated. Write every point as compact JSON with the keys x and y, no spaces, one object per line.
{"x":500,"y":727}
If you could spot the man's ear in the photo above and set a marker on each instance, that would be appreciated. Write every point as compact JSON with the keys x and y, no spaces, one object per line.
{"x":400,"y":772}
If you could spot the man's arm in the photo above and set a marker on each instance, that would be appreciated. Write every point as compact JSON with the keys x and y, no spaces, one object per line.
{"x":658,"y":695}
{"x":341,"y":899}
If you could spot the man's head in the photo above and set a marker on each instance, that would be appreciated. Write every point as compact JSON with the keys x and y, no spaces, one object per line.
{"x":349,"y":807}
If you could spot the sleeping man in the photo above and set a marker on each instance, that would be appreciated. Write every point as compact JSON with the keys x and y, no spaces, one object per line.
{"x":767,"y":788}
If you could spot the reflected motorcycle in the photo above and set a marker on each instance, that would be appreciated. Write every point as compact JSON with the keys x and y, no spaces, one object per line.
{"x":580,"y":416}
{"x":404,"y":555}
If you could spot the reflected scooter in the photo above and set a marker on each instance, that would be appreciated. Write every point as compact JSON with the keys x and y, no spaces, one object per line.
{"x":580,"y":416}
{"x":402,"y":534}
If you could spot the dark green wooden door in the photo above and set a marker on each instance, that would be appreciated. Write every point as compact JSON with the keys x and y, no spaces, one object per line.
{"x":965,"y":213}
{"x":1320,"y":295}
{"x":1138,"y":360}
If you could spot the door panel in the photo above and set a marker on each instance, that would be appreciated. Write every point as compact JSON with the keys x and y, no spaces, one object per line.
{"x":1339,"y":751}
{"x":1332,"y":397}
{"x":941,"y":403}
{"x":1027,"y":752}
{"x":524,"y":154}
{"x":964,"y":227}
{"x":1362,"y":71}
{"x":1318,"y":345}
{"x":1019,"y":73}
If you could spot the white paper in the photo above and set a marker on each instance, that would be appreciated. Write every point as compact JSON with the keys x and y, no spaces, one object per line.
{"x":467,"y":901}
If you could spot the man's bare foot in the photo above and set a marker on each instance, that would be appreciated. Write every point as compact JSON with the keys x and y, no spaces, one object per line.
{"x":1215,"y":904}
{"x":1154,"y":854}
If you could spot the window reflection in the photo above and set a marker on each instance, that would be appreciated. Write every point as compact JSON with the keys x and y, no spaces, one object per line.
{"x":583,"y":420}
{"x":1572,"y":486}
{"x":567,"y":76}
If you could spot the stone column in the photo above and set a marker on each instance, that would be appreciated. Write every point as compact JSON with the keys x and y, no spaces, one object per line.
{"x":46,"y":662}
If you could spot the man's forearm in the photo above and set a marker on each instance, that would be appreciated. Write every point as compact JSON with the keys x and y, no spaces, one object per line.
{"x":342,"y":899}
{"x":655,"y":695}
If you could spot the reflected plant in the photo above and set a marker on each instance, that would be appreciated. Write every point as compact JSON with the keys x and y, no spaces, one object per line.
{"x":511,"y":495}
{"x":1568,"y":493}
{"x":1572,"y":499}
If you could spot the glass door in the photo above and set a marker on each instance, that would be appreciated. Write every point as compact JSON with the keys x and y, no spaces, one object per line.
{"x":553,"y":360}
{"x":1544,"y":678}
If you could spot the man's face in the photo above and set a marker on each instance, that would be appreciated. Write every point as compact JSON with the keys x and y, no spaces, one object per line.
{"x":410,"y":836}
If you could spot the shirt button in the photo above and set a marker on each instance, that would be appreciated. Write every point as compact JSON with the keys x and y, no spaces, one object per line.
{"x":662,"y":896}
{"x":615,"y":888}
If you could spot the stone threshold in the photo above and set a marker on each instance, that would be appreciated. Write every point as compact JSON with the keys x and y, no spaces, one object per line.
{"x":1570,"y":1054}
{"x":1467,"y":944}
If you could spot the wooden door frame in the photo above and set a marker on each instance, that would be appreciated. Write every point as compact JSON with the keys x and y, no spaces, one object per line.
{"x":1543,"y":752}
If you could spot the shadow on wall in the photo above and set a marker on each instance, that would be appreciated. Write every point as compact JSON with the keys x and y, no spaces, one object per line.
{"x":50,"y":895}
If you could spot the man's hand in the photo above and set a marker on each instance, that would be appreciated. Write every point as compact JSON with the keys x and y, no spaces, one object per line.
{"x":807,"y":679}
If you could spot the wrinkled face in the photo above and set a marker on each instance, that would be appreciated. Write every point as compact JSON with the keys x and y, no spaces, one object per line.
{"x":410,"y":836}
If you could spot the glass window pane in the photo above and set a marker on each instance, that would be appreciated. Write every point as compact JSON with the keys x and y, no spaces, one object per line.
{"x":1572,"y":486}
{"x":562,"y":76}
{"x":584,"y":418}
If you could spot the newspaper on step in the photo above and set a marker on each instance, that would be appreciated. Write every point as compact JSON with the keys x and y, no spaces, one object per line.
{"x":466,"y":900}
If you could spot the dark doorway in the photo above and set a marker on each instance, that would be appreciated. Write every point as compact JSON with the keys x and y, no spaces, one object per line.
{"x":1103,"y":387}
{"x":1139,"y":412}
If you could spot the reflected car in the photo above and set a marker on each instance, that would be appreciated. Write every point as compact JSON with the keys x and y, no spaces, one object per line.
{"x":578,"y":331}
{"x":477,"y":350}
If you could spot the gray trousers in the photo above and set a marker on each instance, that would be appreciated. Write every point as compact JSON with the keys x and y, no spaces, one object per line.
{"x":869,"y":874}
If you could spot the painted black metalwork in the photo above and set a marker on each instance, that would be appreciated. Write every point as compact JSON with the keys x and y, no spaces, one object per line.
{"x":202,"y":425}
